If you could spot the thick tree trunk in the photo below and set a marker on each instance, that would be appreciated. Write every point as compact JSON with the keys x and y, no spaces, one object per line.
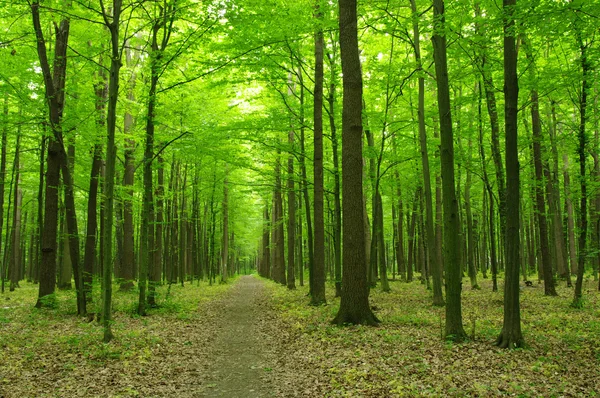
{"x":3,"y":176}
{"x":278,"y":262}
{"x":225,"y":265}
{"x":511,"y":336}
{"x":337,"y":202}
{"x":354,"y":304}
{"x":54,"y":83}
{"x":454,"y":327}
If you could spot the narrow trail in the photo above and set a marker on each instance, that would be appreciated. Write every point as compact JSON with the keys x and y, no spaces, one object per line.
{"x":243,"y":358}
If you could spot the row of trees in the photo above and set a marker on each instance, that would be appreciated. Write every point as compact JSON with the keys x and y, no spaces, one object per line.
{"x":179,"y":134}
{"x":476,"y":238}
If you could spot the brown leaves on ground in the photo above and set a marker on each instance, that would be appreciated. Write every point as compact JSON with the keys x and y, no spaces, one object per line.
{"x":406,"y":355}
{"x":178,"y":350}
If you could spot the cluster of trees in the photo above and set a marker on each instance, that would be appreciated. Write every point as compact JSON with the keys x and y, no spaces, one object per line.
{"x":157,"y":141}
{"x":481,"y":216}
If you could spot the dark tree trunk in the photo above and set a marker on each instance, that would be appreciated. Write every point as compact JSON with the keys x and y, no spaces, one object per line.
{"x":318,"y":279}
{"x":54,"y":83}
{"x":581,"y":150}
{"x":101,"y":91}
{"x":454,"y":326}
{"x":3,"y":177}
{"x":511,"y":336}
{"x":354,"y":304}
{"x":436,"y":270}
{"x":113,"y":23}
{"x":549,"y":285}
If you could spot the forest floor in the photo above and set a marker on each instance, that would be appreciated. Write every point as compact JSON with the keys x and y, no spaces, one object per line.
{"x":255,"y":338}
{"x":206,"y":341}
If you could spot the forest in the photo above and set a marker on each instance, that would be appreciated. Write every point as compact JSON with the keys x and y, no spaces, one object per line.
{"x":311,"y":198}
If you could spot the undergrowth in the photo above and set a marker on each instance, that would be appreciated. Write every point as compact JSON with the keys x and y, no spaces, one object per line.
{"x":406,"y":354}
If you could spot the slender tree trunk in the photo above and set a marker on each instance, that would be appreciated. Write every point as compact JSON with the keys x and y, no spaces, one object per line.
{"x":113,"y":24}
{"x":127,"y":273}
{"x":15,"y":262}
{"x":549,"y":285}
{"x":436,"y":270}
{"x":581,"y":150}
{"x":225,"y":244}
{"x":318,"y":280}
{"x":3,"y":177}
{"x":291,"y":226}
{"x":511,"y":336}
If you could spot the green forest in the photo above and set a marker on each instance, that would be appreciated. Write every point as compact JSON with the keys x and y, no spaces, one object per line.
{"x":308,"y":198}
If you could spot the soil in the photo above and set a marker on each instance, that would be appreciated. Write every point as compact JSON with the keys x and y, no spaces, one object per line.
{"x":244,"y":356}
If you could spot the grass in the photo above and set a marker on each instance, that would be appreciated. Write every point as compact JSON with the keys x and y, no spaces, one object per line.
{"x":52,"y":352}
{"x":407,"y":356}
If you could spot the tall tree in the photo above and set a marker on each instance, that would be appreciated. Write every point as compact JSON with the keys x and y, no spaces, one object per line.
{"x":54,"y":84}
{"x":582,"y":152}
{"x":511,"y":336}
{"x":112,"y":20}
{"x":354,"y":304}
{"x":435,"y":266}
{"x":454,"y":326}
{"x":318,"y":279}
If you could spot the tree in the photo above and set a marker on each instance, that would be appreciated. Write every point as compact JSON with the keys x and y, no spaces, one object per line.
{"x":354,"y":304}
{"x":511,"y":336}
{"x":112,"y":20}
{"x":435,"y":266}
{"x":318,"y":279}
{"x":454,"y":327}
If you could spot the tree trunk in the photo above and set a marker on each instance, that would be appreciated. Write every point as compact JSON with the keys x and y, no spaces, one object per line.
{"x":318,"y":279}
{"x":225,"y":244}
{"x":436,"y":270}
{"x":15,"y":262}
{"x":127,"y":273}
{"x":549,"y":285}
{"x":3,"y":176}
{"x":291,"y":226}
{"x":113,"y":24}
{"x":511,"y":336}
{"x":581,"y":150}
{"x":278,"y":262}
{"x":101,"y":92}
{"x":354,"y":304}
{"x":54,"y":82}
{"x":454,"y":327}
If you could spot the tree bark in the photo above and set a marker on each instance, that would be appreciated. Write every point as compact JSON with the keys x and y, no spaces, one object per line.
{"x":113,"y":24}
{"x":511,"y":336}
{"x":436,"y":270}
{"x":454,"y":327}
{"x":318,"y":279}
{"x":354,"y":304}
{"x":581,"y":150}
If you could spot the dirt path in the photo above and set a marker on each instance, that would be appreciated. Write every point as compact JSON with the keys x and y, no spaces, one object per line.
{"x":243,"y":359}
{"x":235,"y":345}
